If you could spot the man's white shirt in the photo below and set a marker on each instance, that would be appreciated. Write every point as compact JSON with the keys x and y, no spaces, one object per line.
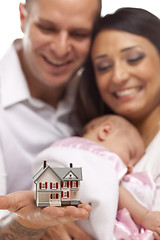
{"x":27,"y":125}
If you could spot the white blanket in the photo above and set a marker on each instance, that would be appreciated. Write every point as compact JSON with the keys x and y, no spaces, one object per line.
{"x":99,"y":186}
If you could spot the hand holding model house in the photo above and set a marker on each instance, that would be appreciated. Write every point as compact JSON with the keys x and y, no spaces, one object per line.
{"x":57,"y":186}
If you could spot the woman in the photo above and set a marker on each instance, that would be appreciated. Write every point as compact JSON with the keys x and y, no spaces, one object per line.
{"x":122,"y":76}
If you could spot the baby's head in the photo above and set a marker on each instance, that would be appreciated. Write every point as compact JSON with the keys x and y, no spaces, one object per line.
{"x":117,"y":135}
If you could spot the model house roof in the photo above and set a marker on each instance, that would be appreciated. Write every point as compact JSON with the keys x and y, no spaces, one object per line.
{"x":66,"y":174}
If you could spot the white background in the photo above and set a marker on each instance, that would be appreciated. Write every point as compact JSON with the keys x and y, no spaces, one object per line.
{"x":9,"y":16}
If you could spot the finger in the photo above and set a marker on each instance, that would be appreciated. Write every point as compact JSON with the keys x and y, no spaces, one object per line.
{"x":42,"y":217}
{"x":52,"y":216}
{"x":16,"y":200}
{"x":68,"y":212}
{"x":46,"y":237}
{"x":77,"y":232}
{"x":72,"y":214}
{"x":156,"y":236}
{"x":85,"y":206}
{"x":51,"y":212}
{"x":78,"y":213}
{"x":57,"y":233}
{"x":158,"y":230}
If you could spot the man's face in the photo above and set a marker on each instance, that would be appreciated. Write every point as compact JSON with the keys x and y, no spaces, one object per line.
{"x":56,"y":38}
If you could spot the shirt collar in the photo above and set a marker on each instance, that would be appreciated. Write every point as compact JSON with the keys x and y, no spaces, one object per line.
{"x":14,"y":87}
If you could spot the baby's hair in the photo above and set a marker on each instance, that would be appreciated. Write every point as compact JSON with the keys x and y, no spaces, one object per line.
{"x":120,"y":123}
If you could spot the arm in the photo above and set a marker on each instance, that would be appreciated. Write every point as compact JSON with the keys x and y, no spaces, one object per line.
{"x":142,"y":216}
{"x":10,"y":228}
{"x":126,"y":200}
{"x":30,"y":221}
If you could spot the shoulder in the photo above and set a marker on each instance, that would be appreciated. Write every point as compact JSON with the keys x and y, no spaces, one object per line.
{"x":150,"y":161}
{"x":153,"y":146}
{"x":153,"y":150}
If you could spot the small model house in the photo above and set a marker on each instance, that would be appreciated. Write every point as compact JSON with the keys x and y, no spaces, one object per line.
{"x":57,"y":186}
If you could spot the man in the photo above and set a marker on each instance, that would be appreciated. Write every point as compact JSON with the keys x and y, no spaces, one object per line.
{"x":37,"y":86}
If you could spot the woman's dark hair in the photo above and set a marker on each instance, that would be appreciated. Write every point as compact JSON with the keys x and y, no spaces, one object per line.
{"x":89,"y":103}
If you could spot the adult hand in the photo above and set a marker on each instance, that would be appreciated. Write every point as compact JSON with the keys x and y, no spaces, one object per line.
{"x":67,"y":231}
{"x":29,"y":215}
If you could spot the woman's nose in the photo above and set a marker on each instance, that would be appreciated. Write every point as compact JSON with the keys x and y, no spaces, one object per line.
{"x":120,"y":73}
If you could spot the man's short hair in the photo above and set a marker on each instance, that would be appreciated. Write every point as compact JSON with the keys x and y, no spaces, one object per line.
{"x":99,"y":9}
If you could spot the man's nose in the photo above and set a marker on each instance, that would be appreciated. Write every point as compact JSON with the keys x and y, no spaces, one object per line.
{"x":61,"y":45}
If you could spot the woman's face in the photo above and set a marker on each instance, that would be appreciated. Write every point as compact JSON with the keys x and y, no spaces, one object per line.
{"x":127,"y":70}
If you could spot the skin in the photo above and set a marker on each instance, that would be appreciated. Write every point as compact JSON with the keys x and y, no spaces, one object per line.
{"x":147,"y":219}
{"x":122,"y":138}
{"x":125,"y":140}
{"x":122,"y":143}
{"x":55,"y":44}
{"x":30,"y":221}
{"x":127,"y":69}
{"x":66,"y":232}
{"x":129,"y":84}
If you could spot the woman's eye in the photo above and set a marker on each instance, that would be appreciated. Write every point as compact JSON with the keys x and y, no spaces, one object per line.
{"x":103,"y":68}
{"x":135,"y":59}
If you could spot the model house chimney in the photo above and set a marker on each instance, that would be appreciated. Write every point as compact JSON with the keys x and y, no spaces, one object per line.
{"x":71,"y":165}
{"x":44,"y":164}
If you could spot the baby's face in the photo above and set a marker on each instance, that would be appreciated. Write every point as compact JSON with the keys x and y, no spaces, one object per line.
{"x":130,"y":147}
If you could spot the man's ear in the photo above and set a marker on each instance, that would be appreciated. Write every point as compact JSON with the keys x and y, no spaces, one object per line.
{"x":104,"y":131}
{"x":23,"y":15}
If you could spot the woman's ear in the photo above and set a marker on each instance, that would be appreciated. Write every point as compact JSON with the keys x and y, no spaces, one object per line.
{"x":104,"y":131}
{"x":23,"y":15}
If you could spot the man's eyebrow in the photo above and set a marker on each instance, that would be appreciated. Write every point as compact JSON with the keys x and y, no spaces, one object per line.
{"x":81,"y":30}
{"x":55,"y":26}
{"x":43,"y":21}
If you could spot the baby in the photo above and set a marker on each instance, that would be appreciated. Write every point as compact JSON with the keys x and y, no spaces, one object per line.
{"x":109,"y":148}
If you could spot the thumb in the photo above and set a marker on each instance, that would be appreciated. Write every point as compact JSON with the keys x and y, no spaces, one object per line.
{"x":17,"y":200}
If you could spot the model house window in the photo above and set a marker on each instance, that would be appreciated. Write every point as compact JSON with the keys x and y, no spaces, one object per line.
{"x":74,"y":193}
{"x":65,"y":184}
{"x":65,"y":194}
{"x":74,"y":184}
{"x":43,"y":185}
{"x":53,"y":185}
{"x":54,"y":196}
